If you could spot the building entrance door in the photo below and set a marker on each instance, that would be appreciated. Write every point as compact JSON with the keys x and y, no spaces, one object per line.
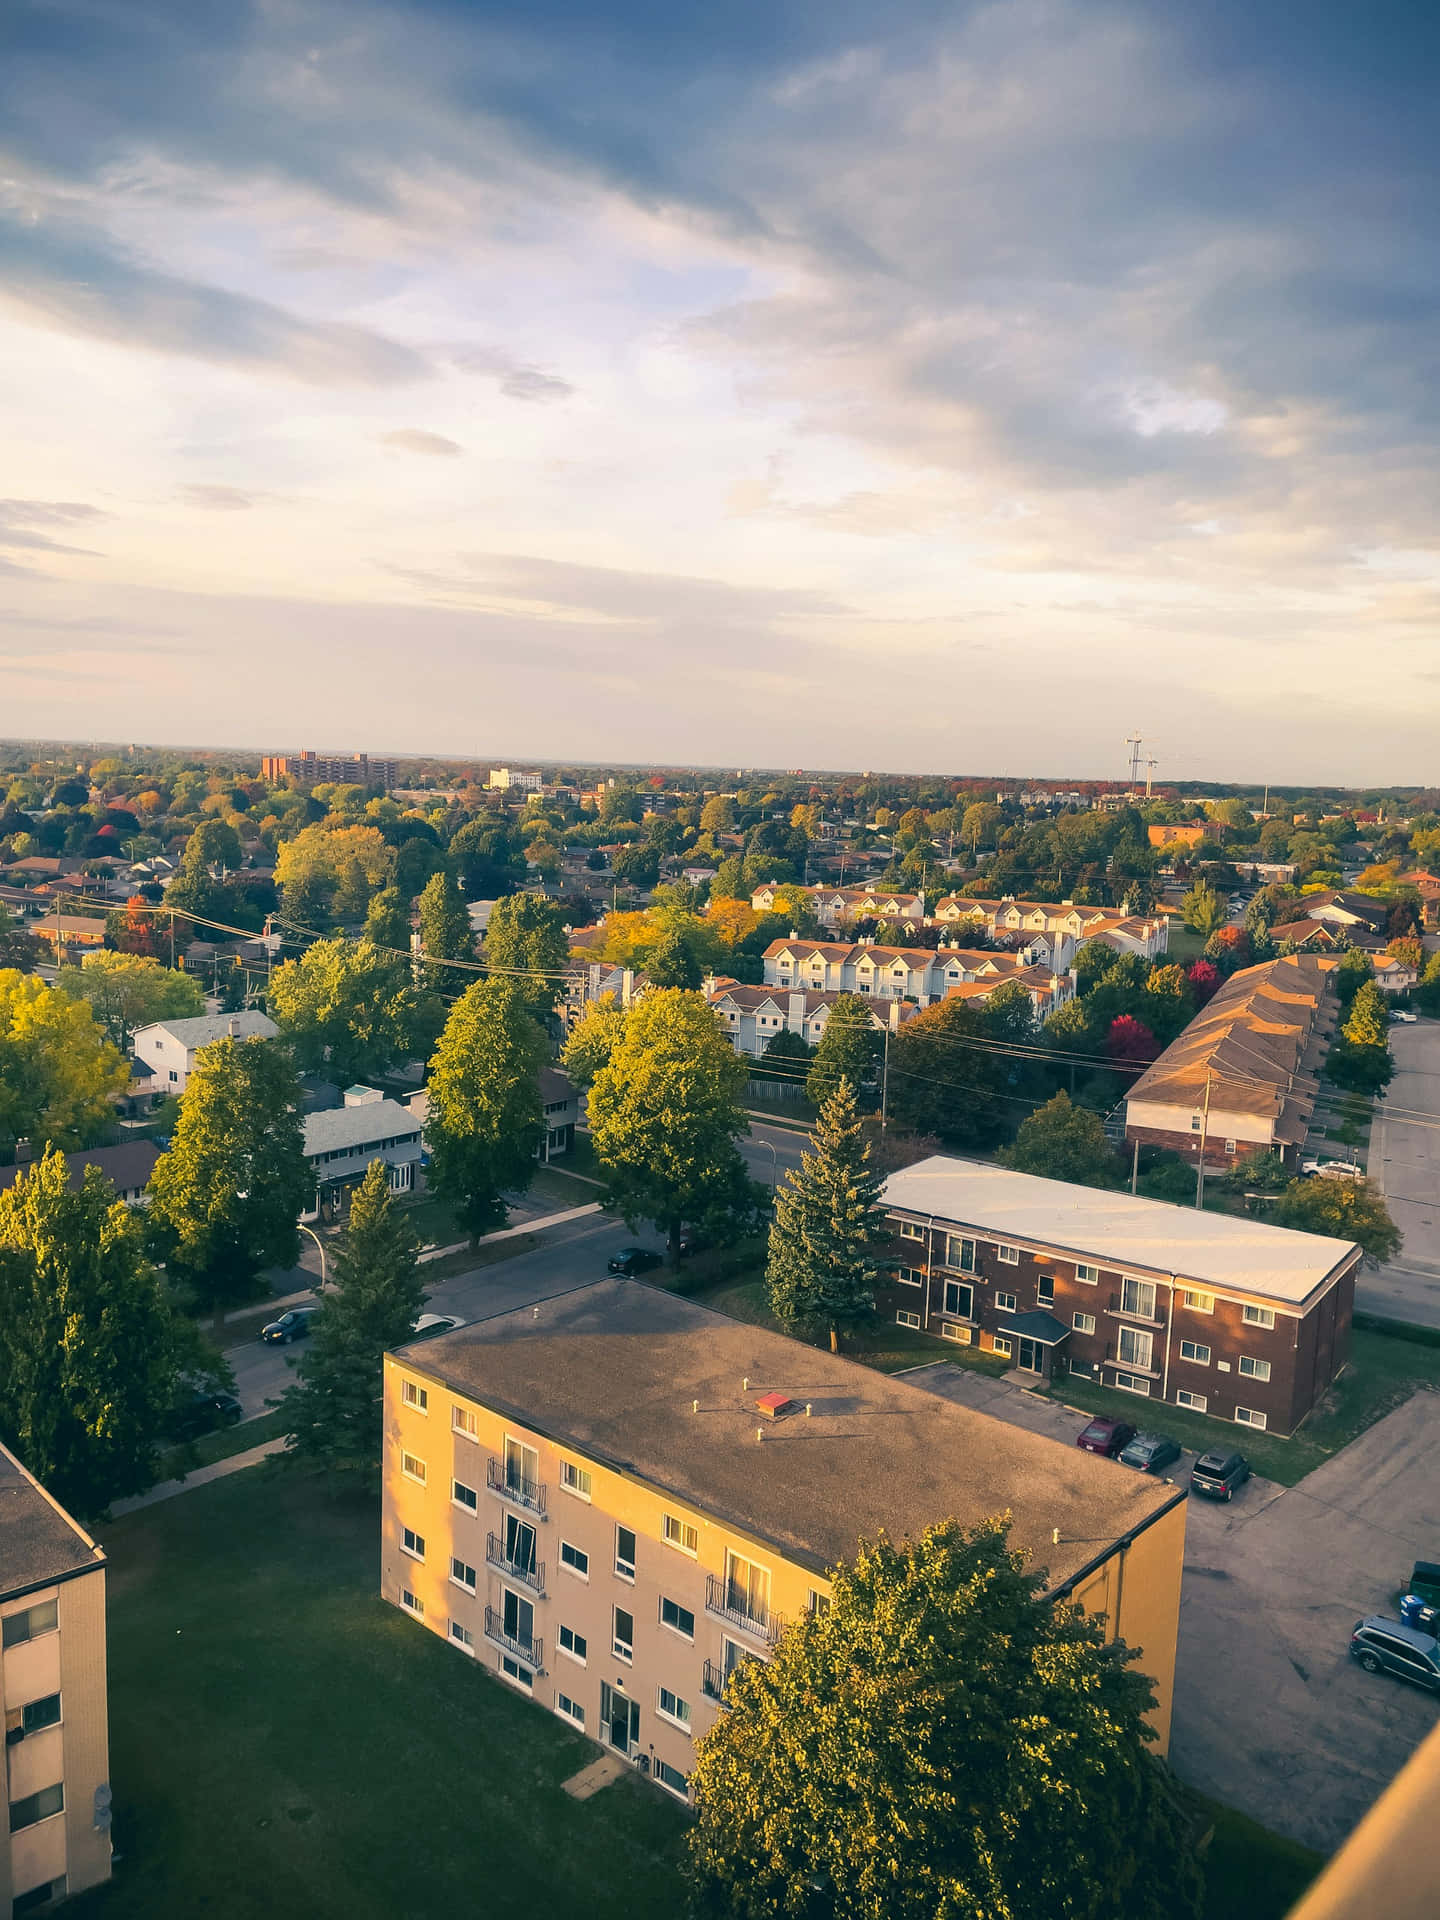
{"x":1030,"y":1357}
{"x":621,"y":1715}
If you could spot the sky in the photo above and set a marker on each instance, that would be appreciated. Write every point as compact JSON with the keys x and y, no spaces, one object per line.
{"x":922,"y":387}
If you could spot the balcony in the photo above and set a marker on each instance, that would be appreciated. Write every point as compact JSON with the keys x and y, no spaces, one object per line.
{"x":527,"y":1650}
{"x":495,"y":1556}
{"x":712,"y":1683}
{"x":515,"y":1487}
{"x":729,"y":1605}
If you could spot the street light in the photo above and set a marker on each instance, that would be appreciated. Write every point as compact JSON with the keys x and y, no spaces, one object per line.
{"x":769,"y":1146}
{"x":320,"y":1245}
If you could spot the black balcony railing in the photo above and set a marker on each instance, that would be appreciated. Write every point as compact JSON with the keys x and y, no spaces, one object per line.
{"x":526,"y":1650}
{"x":518,"y":1487}
{"x":531,"y":1572}
{"x":712,"y":1683}
{"x":730,"y":1604}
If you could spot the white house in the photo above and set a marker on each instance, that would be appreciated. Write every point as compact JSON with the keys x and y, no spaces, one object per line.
{"x":168,"y":1049}
{"x":341,"y":1142}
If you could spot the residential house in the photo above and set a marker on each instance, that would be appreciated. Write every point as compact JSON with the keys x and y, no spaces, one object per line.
{"x":127,"y":1167}
{"x":69,"y":934}
{"x":753,"y":1016}
{"x":1363,"y":917}
{"x":1223,"y":1315}
{"x":1145,"y":934}
{"x":169,"y":1047}
{"x":833,"y":906}
{"x":1311,"y":936}
{"x":615,"y":1498}
{"x":1243,"y":1076}
{"x":1427,"y":885}
{"x":560,"y":1108}
{"x":1048,"y":991}
{"x":916,"y":974}
{"x":1393,"y":975}
{"x":341,"y":1142}
{"x":56,"y":1841}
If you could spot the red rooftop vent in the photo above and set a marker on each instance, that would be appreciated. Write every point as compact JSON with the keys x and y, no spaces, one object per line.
{"x":775,"y":1406}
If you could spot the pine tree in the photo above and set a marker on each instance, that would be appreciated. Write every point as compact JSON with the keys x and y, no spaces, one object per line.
{"x":827,"y":1216}
{"x":445,"y":933}
{"x":485,"y":1121}
{"x":333,"y":1411}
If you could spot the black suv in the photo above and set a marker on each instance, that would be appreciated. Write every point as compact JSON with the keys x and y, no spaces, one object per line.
{"x":632,"y":1260}
{"x":1217,"y":1475}
{"x":1385,"y":1646}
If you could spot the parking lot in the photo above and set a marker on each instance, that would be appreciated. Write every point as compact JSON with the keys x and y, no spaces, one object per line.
{"x":1271,"y":1714}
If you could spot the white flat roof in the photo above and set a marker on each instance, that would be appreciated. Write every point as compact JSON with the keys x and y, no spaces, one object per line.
{"x":1120,"y":1230}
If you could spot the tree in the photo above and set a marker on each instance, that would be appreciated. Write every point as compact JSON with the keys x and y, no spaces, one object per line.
{"x":1354,"y":970}
{"x":387,"y":920}
{"x":226,"y":1197}
{"x":333,"y":1411}
{"x":1342,"y":1209}
{"x":1203,"y":979}
{"x":127,"y":992}
{"x":1130,"y":1039}
{"x":718,"y":814}
{"x":1409,"y":951}
{"x":1064,"y":1142}
{"x":848,"y":1049}
{"x":790,"y":1052}
{"x":820,"y":1272}
{"x":134,"y":930}
{"x":593,"y":1038}
{"x":1202,"y":908}
{"x":445,"y":933}
{"x":92,"y":1352}
{"x":352,"y":893}
{"x":945,"y":1077}
{"x":526,"y":935}
{"x":664,"y":1118}
{"x":485,"y":1123}
{"x":57,"y":1069}
{"x":19,"y":952}
{"x":865,"y":1764}
{"x":347,"y":1008}
{"x":1368,"y":1024}
{"x":672,"y":962}
{"x":323,"y":853}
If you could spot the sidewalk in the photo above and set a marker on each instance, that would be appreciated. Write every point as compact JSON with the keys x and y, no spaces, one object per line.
{"x":513,"y":1233}
{"x":201,"y":1477}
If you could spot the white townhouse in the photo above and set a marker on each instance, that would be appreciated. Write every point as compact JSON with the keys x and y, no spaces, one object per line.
{"x":832,"y":906}
{"x":907,"y":973}
{"x":168,"y":1049}
{"x":751,"y":1017}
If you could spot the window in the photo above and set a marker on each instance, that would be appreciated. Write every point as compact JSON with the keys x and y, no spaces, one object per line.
{"x":1004,"y":1346}
{"x":464,"y":1496}
{"x":36,"y":1807}
{"x":462,"y":1636}
{"x":1010,"y":1256}
{"x":1248,"y":1417}
{"x":519,"y":1544}
{"x":568,"y":1710}
{"x":1087,"y":1276}
{"x":39,"y":1714}
{"x":574,"y":1645}
{"x":1195,"y":1123}
{"x":1045,"y":1289}
{"x":1254,"y":1369}
{"x":904,"y":1319}
{"x":625,"y":1553}
{"x":817,"y":1602}
{"x":463,"y":1420}
{"x":909,"y":1230}
{"x":960,"y":1299}
{"x":747,"y":1587}
{"x":1194,"y":1350}
{"x":682,"y":1534}
{"x":672,"y":1778}
{"x":409,"y":1601}
{"x":671,"y":1707}
{"x":1132,"y":1383}
{"x":622,"y":1639}
{"x":513,"y":1670}
{"x":1196,"y":1301}
{"x":29,"y":1625}
{"x":575,"y":1479}
{"x":522,"y":1469}
{"x":575,"y":1558}
{"x":1005,"y":1302}
{"x":415,"y":1396}
{"x":959,"y":1252}
{"x":518,"y":1620}
{"x":412,"y":1543}
{"x":1136,"y":1346}
{"x":1138,"y":1297}
{"x":1258,"y":1316}
{"x":910,"y":1276}
{"x":679,"y":1619}
{"x":412,"y":1468}
{"x":1083,"y":1323}
{"x":462,"y":1575}
{"x":1197,"y":1402}
{"x":951,"y":1330}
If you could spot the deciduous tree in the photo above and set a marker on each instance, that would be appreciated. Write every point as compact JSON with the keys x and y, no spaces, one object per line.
{"x":1202,"y":908}
{"x":1343,"y":1209}
{"x":387,"y":920}
{"x":346,"y":1007}
{"x":593,"y":1039}
{"x":127,"y":991}
{"x":57,"y":1069}
{"x":485,"y":1120}
{"x":445,"y":933}
{"x":848,"y":1049}
{"x":1064,"y":1142}
{"x":821,"y":1270}
{"x":526,"y":936}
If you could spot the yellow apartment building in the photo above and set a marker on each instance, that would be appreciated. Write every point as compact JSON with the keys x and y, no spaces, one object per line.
{"x":56,"y":1840}
{"x":613,"y":1498}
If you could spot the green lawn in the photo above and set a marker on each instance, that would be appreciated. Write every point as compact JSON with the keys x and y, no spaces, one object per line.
{"x":1250,"y":1871}
{"x":885,"y":1346}
{"x":220,"y":1445}
{"x":284,"y":1746}
{"x":1185,"y":945}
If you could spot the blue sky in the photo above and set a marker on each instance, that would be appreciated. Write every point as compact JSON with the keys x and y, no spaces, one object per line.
{"x":953,"y":387}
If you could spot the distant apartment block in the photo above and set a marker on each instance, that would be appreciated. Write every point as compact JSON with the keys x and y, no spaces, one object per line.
{"x":53,"y":1694}
{"x":512,"y":780}
{"x":917,"y":974}
{"x":310,"y":769}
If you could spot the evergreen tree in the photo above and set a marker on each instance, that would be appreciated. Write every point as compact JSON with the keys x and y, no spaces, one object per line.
{"x":485,"y":1121}
{"x":333,"y":1411}
{"x":526,"y":936}
{"x":848,"y":1049}
{"x":820,"y":1273}
{"x":445,"y":933}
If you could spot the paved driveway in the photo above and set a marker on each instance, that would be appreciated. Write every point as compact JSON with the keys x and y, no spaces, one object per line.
{"x":1405,"y":1164}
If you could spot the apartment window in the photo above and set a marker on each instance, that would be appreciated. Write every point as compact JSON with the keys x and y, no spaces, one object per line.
{"x":36,"y":1807}
{"x":462,"y":1575}
{"x":513,"y":1670}
{"x":1132,"y":1383}
{"x":1254,"y":1369}
{"x":31,"y":1623}
{"x":625,"y":1553}
{"x":412,"y":1468}
{"x":679,"y":1619}
{"x":575,"y":1479}
{"x":671,"y":1707}
{"x":1136,"y":1346}
{"x":1083,"y":1323}
{"x":622,"y":1638}
{"x":1004,"y":1346}
{"x":522,"y":1468}
{"x":950,"y":1330}
{"x":910,"y":1276}
{"x":960,"y":1252}
{"x":904,"y":1319}
{"x":520,"y":1544}
{"x":672,"y":1778}
{"x":575,"y":1558}
{"x":1087,"y":1276}
{"x":39,"y":1714}
{"x":747,"y":1587}
{"x":1010,"y":1256}
{"x":1194,"y":1350}
{"x":518,"y":1619}
{"x":910,"y":1231}
{"x":1195,"y":1123}
{"x":412,"y":1543}
{"x":464,"y":1496}
{"x":569,"y":1710}
{"x":462,"y":1636}
{"x":1258,"y":1316}
{"x":463,"y":1420}
{"x":1248,"y":1417}
{"x":960,"y":1299}
{"x":1005,"y":1302}
{"x":682,"y":1534}
{"x":1196,"y":1301}
{"x":1045,"y":1290}
{"x":414,"y":1605}
{"x":415,"y":1396}
{"x":817,"y":1602}
{"x":573,"y":1644}
{"x":1197,"y":1402}
{"x":1138,"y":1296}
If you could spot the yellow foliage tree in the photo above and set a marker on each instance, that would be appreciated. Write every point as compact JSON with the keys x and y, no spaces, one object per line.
{"x":57,"y":1069}
{"x":322,"y":853}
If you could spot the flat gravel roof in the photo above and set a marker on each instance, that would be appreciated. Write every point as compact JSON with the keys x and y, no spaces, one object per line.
{"x":39,"y":1542}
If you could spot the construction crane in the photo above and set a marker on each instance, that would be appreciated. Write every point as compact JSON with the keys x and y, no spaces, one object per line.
{"x":1134,"y":741}
{"x":1150,"y":765}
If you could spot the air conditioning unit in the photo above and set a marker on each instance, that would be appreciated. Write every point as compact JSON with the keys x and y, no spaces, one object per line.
{"x":642,"y":1761}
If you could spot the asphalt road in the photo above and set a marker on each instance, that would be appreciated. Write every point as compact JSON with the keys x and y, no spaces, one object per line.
{"x":1405,"y":1164}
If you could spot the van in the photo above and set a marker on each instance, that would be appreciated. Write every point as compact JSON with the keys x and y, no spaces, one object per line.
{"x":1387,"y":1646}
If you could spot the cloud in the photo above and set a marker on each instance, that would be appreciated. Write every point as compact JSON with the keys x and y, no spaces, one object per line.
{"x":20,"y":519}
{"x":416,"y":440}
{"x":518,"y":381}
{"x":216,"y":499}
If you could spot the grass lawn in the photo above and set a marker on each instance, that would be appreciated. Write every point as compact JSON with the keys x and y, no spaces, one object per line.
{"x":1382,"y":1375}
{"x":1249,"y":1870}
{"x":1185,"y":945}
{"x":220,"y":1445}
{"x":284,"y":1746}
{"x":885,"y":1346}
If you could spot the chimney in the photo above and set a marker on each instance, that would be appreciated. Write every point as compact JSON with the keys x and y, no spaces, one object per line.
{"x":234,"y":1028}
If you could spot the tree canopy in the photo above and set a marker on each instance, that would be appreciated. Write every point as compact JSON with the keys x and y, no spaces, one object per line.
{"x":485,"y":1121}
{"x":127,"y":991}
{"x":526,"y":936}
{"x":821,"y":1271}
{"x":57,"y":1069}
{"x":445,"y":933}
{"x":1202,"y":908}
{"x":849,"y":1049}
{"x":350,"y":1009}
{"x":1060,"y":1141}
{"x":1344,"y":1209}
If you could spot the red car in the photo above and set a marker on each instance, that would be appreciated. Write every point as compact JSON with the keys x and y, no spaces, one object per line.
{"x":1105,"y":1435}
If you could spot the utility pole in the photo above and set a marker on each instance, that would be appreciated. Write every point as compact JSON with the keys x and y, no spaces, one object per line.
{"x":885,"y":1080}
{"x":1204,"y":1136}
{"x":1135,"y":1170}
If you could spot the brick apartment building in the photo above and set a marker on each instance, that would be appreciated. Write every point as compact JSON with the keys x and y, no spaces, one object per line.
{"x":1226,"y":1316}
{"x":311,"y":769}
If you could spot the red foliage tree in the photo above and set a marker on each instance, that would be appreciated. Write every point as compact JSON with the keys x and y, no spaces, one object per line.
{"x":136,"y":932}
{"x":1204,"y":978}
{"x":1130,"y":1039}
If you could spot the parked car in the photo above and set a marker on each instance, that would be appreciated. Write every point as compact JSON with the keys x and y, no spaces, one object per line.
{"x":431,"y":1324}
{"x":1405,"y":1018}
{"x":1218,"y":1475}
{"x":1331,"y":1170}
{"x":1387,"y":1646}
{"x":1105,"y":1435}
{"x":632,"y":1260}
{"x":1149,"y":1452}
{"x":292,"y":1325}
{"x":203,"y":1413}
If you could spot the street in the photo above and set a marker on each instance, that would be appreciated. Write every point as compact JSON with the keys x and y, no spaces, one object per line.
{"x":1405,"y":1165}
